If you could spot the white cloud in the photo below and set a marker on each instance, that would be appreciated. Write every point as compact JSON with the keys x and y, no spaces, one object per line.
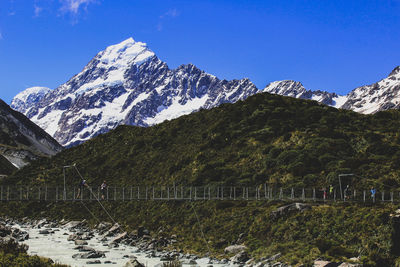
{"x":172,"y":13}
{"x":37,"y":10}
{"x":73,"y":6}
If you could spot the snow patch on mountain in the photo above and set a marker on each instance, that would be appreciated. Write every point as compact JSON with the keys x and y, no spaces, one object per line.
{"x":176,"y":110}
{"x":29,"y":96}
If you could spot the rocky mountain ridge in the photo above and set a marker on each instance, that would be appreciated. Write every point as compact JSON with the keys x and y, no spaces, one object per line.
{"x":21,"y":141}
{"x":127,"y":84}
{"x":368,"y":99}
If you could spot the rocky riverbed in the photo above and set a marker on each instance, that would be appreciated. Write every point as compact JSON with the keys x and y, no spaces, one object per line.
{"x":75,"y":244}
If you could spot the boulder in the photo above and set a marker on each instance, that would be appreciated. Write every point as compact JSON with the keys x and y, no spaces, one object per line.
{"x":79,"y":242}
{"x":133,"y":263}
{"x":44,"y":232}
{"x":72,"y":237}
{"x":119,"y":237}
{"x":241,"y":257}
{"x":94,"y":262}
{"x":235,"y":249}
{"x":89,"y":255}
{"x":285,"y":210}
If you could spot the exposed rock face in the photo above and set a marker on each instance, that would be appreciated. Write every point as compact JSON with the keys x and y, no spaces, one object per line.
{"x":21,"y":141}
{"x":127,"y":84}
{"x":379,"y":96}
{"x":382,"y":95}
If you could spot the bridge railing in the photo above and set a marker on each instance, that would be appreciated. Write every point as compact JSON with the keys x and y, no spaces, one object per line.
{"x":194,"y":193}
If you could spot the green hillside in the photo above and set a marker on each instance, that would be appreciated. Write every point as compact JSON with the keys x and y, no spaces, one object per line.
{"x":266,"y":139}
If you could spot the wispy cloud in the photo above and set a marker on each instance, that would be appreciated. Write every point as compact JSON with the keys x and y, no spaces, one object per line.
{"x":170,"y":14}
{"x":37,"y":10}
{"x":73,"y":6}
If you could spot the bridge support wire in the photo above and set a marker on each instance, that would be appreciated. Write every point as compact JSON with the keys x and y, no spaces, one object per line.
{"x":90,"y":190}
{"x":201,"y":228}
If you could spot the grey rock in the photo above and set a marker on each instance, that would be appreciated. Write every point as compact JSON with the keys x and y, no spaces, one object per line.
{"x":133,"y":263}
{"x":234,"y":249}
{"x":79,"y":242}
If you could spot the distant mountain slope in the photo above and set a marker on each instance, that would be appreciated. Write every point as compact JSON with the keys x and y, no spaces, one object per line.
{"x":382,"y":95}
{"x":126,"y":84}
{"x":22,"y":141}
{"x":6,"y":167}
{"x":266,"y":138}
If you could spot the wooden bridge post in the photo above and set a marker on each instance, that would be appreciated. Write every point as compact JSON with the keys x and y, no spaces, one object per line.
{"x":195,"y":193}
{"x":234,"y":193}
{"x":20,"y":193}
{"x":292,"y":194}
{"x":168,"y":192}
{"x":8,"y":193}
{"x":247,"y":193}
{"x":138,"y":192}
{"x":334,"y":195}
{"x":56,"y":194}
{"x":182,"y":193}
{"x":391,"y":197}
{"x":244,"y":193}
{"x":123,"y":193}
{"x":27,"y":193}
{"x":153,"y":192}
{"x":222,"y":192}
{"x":303,"y":195}
{"x":313,"y":194}
{"x":281,"y":194}
{"x":190,"y":193}
{"x":364,"y":195}
{"x":115,"y":193}
{"x":383,"y":196}
{"x":131,"y":194}
{"x":265,"y":191}
{"x":39,"y":194}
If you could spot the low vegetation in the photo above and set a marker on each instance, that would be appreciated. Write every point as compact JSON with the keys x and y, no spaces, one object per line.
{"x":14,"y":254}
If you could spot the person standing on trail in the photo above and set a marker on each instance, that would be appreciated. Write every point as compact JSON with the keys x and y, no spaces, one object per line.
{"x":103,"y":189}
{"x":373,"y":192}
{"x":81,"y":184}
{"x":331,"y":191}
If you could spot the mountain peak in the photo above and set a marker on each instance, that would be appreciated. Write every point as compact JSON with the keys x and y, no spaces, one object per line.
{"x":395,"y":71}
{"x":127,"y":52}
{"x":28,"y":97}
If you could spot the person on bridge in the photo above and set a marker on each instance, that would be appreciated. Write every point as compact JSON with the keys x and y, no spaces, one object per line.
{"x":373,"y":192}
{"x":81,"y":184}
{"x":103,"y":189}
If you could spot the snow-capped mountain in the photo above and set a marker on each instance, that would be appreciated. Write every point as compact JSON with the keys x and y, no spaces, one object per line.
{"x":125,"y":84}
{"x":382,"y":95}
{"x":22,"y":141}
{"x":26,"y":99}
{"x":297,"y":90}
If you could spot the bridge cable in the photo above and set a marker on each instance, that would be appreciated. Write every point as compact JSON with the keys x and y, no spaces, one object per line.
{"x":90,"y":190}
{"x":201,"y":229}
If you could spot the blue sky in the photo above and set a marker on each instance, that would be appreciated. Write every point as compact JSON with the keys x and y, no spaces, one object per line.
{"x":326,"y":45}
